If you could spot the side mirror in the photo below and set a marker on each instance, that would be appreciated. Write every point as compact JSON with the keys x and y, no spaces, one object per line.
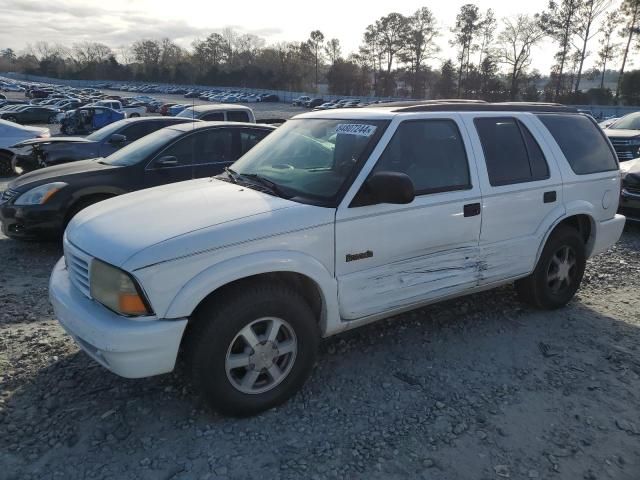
{"x":386,"y":187}
{"x":117,"y":139}
{"x":166,"y":161}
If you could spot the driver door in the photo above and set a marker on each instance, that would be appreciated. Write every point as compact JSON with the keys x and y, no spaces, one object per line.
{"x":390,"y":257}
{"x":175,"y":163}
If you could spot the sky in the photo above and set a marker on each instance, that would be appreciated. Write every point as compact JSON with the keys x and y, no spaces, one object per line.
{"x":120,"y":22}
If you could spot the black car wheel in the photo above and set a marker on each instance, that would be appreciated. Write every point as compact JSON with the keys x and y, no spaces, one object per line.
{"x":559,"y":271}
{"x":51,"y":119}
{"x":253,"y":348}
{"x":11,"y":118}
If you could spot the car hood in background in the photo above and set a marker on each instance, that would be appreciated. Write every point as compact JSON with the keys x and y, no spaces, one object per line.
{"x":58,"y":173}
{"x":163,"y":223}
{"x":35,"y":141}
{"x":621,"y":133}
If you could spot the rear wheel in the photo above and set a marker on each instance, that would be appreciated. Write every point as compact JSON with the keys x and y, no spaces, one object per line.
{"x":559,"y":271}
{"x":252,"y":349}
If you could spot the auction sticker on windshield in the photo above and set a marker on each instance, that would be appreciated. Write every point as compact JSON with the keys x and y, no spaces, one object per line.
{"x":359,"y":129}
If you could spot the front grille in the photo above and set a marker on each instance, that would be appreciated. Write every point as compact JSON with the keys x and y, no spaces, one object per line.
{"x":8,"y":195}
{"x":624,"y":149}
{"x":79,"y":266}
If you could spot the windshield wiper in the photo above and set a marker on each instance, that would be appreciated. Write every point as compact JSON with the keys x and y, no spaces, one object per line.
{"x":232,"y":174}
{"x":272,"y":186}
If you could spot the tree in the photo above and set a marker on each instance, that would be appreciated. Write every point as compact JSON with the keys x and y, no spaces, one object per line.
{"x":559,"y":22}
{"x":516,"y":39}
{"x":8,"y":54}
{"x":588,"y":12}
{"x":390,"y":31}
{"x":333,"y":50}
{"x":630,"y":11}
{"x":487,"y":35}
{"x":608,"y":48}
{"x":468,"y":24}
{"x":630,"y":87}
{"x":445,"y":86}
{"x":315,"y":43}
{"x":419,"y":45}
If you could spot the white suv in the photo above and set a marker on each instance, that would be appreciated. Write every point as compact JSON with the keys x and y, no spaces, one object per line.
{"x":335,"y":220}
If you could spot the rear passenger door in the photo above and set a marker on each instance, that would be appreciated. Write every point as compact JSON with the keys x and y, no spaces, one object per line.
{"x":521,"y":191}
{"x":394,"y":256}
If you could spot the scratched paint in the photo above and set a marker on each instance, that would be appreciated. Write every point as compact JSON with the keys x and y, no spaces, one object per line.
{"x":406,"y":281}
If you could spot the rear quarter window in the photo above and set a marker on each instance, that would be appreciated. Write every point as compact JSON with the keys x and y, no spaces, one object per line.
{"x":582,"y":142}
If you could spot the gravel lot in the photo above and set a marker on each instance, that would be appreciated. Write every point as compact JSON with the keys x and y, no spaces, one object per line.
{"x":476,"y":388}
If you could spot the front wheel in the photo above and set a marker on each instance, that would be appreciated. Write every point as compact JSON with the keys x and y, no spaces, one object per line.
{"x":559,"y":271}
{"x":52,"y":119}
{"x":253,"y":349}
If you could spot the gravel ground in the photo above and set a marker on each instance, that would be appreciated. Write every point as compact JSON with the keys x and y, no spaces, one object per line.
{"x":477,"y":388}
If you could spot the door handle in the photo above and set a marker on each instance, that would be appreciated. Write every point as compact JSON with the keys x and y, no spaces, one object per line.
{"x":471,"y":209}
{"x":549,"y":197}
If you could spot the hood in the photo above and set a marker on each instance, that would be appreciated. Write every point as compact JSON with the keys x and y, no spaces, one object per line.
{"x":59,"y":173}
{"x":621,"y":133}
{"x":35,"y":141}
{"x":159,"y":224}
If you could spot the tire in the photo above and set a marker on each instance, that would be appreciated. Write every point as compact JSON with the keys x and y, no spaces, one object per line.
{"x":134,"y":115}
{"x":559,"y":271}
{"x":81,"y":205}
{"x":51,"y":120}
{"x":11,"y":118}
{"x":218,"y":340}
{"x":6,"y":168}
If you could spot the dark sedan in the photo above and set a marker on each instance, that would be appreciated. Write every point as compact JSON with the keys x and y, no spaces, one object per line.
{"x":41,"y":203}
{"x":630,"y":194}
{"x":624,"y":134}
{"x":31,"y":114}
{"x":45,"y":152}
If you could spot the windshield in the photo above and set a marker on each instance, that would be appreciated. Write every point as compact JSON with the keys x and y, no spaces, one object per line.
{"x":187,"y":113}
{"x":106,"y":132}
{"x":141,"y":149}
{"x":311,"y":158}
{"x":630,"y":122}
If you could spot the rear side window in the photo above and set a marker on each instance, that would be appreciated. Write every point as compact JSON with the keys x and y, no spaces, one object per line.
{"x":431,"y":153}
{"x":511,"y":153}
{"x":582,"y":142}
{"x":237,"y":116}
{"x":213,"y":117}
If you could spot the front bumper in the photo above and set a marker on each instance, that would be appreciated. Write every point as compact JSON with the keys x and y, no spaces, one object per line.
{"x":131,"y":348}
{"x":630,"y":205}
{"x":31,"y":221}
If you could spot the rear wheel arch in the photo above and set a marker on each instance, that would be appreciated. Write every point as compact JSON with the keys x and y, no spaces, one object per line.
{"x":583,"y":223}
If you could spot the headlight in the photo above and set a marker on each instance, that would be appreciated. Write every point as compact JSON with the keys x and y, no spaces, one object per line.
{"x":117,"y":290}
{"x":40,"y":195}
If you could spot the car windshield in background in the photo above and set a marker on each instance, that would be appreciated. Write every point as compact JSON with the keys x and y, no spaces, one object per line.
{"x":311,"y":158}
{"x":630,"y":122}
{"x":140,"y":149}
{"x":106,"y":132}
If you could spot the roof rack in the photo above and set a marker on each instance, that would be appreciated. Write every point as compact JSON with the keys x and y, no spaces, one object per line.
{"x":479,"y":106}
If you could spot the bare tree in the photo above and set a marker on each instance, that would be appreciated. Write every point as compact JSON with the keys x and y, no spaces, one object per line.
{"x":559,"y":22}
{"x":631,"y":13}
{"x":608,"y":48}
{"x":333,"y":50}
{"x":588,"y":13}
{"x":487,"y":35}
{"x":516,"y":39}
{"x":316,"y":38}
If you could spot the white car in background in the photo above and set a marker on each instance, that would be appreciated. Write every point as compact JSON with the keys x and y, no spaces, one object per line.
{"x":12,"y":133}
